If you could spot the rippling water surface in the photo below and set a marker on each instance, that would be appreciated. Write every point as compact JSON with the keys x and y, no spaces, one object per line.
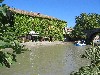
{"x":48,"y":60}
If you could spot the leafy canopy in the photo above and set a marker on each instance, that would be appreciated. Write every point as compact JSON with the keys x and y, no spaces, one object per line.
{"x":85,"y":22}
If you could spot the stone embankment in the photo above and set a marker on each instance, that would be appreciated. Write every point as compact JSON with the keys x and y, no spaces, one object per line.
{"x":43,"y":43}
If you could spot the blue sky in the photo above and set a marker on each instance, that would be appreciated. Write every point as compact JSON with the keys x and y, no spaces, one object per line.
{"x":61,"y":9}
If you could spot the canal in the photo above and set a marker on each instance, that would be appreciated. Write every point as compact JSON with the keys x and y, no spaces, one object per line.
{"x":48,"y":60}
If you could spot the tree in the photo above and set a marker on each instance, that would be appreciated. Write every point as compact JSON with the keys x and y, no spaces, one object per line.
{"x":85,"y":22}
{"x":7,"y":38}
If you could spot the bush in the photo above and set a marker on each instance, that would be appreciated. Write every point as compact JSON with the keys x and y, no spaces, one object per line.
{"x":93,"y":54}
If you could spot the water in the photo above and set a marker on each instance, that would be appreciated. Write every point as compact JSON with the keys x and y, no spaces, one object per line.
{"x":48,"y":60}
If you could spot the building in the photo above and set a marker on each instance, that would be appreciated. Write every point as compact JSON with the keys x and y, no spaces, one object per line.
{"x":68,"y":30}
{"x":33,"y":14}
{"x":56,"y":28}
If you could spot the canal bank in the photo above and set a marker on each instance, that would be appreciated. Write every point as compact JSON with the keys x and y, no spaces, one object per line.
{"x":44,"y":43}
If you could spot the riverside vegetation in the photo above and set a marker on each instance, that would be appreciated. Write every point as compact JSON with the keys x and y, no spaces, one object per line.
{"x":84,"y":22}
{"x":8,"y":38}
{"x":13,"y":25}
{"x":93,"y":54}
{"x":87,"y":22}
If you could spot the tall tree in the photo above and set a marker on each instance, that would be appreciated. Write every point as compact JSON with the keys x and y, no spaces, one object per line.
{"x":85,"y":22}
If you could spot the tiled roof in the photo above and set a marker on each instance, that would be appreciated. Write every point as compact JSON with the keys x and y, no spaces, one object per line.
{"x":32,"y":14}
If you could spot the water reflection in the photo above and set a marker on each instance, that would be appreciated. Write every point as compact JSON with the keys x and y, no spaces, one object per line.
{"x":49,"y":60}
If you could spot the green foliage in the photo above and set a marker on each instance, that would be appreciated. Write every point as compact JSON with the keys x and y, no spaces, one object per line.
{"x":22,"y":25}
{"x":93,"y":53}
{"x":8,"y":39}
{"x":85,"y":22}
{"x":13,"y":25}
{"x":7,"y":57}
{"x":94,"y":68}
{"x":45,"y":27}
{"x":1,"y":1}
